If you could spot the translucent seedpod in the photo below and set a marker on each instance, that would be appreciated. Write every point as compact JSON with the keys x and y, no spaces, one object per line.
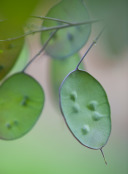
{"x":70,"y":38}
{"x":21,"y":103}
{"x":10,"y":49}
{"x":87,"y":115}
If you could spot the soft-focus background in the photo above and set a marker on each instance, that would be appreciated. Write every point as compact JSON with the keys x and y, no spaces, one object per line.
{"x":49,"y":148}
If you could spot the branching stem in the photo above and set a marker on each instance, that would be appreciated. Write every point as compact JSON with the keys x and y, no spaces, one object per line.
{"x":52,"y":28}
{"x":92,"y":44}
{"x":42,"y":49}
{"x":52,"y":19}
{"x":63,"y":21}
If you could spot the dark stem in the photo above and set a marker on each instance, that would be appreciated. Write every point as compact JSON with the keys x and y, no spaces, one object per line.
{"x":42,"y":49}
{"x":103,"y":156}
{"x":92,"y":44}
{"x":52,"y":19}
{"x":52,"y":28}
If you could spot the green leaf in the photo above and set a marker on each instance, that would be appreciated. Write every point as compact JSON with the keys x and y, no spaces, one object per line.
{"x":86,"y":110}
{"x":21,"y":103}
{"x":60,"y":68}
{"x":67,"y":41}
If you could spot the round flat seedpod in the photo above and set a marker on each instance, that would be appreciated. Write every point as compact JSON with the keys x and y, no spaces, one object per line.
{"x":9,"y":50}
{"x":21,"y":103}
{"x":85,"y":108}
{"x":70,"y":40}
{"x":21,"y":61}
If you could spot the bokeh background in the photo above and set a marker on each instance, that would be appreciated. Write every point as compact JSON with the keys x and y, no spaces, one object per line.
{"x":49,"y":148}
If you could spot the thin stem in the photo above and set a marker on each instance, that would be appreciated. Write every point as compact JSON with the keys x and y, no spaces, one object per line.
{"x":52,"y":19}
{"x":103,"y":156}
{"x":42,"y":49}
{"x":92,"y":44}
{"x":52,"y":28}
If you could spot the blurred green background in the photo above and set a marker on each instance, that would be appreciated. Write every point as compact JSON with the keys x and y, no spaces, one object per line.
{"x":49,"y":148}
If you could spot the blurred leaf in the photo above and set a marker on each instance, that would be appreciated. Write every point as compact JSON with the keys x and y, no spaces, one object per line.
{"x":86,"y":110}
{"x":22,"y":100}
{"x":117,"y":37}
{"x":99,"y":8}
{"x":70,"y":40}
{"x":115,"y":13}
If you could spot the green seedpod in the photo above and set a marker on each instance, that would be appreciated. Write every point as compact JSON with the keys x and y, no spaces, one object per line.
{"x":16,"y":13}
{"x":21,"y":61}
{"x":9,"y":55}
{"x":88,"y":116}
{"x":59,"y":69}
{"x":21,"y":103}
{"x":9,"y":50}
{"x":67,"y":41}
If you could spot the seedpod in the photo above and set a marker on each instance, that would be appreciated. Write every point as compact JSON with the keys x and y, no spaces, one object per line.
{"x":9,"y":50}
{"x":21,"y":103}
{"x":21,"y":61}
{"x":68,"y":40}
{"x":85,"y":107}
